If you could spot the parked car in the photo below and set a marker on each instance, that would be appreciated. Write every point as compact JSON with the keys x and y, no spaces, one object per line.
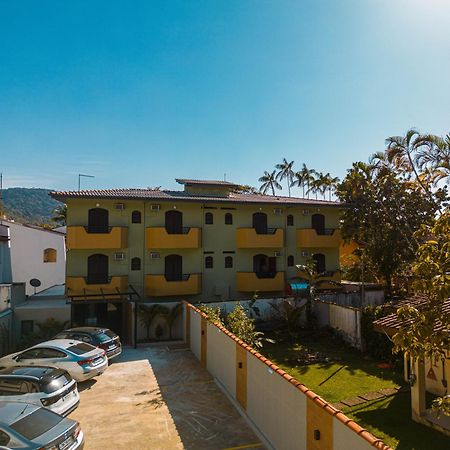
{"x":98,"y":337}
{"x":31,"y":427}
{"x":82,"y":360}
{"x":52,"y":388}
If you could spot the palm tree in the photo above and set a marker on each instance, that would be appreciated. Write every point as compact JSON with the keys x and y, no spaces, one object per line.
{"x":433,"y":157}
{"x":269,"y":181}
{"x":331,"y":184}
{"x":302,"y":178}
{"x":60,"y":214}
{"x":171,"y":316}
{"x":401,"y":151}
{"x":285,"y":171}
{"x":147,"y":315}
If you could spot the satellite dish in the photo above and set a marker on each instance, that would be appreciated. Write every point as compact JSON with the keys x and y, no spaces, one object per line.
{"x":35,"y":283}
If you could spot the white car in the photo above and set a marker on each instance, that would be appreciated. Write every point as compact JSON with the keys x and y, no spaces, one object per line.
{"x":83,"y":361}
{"x":51,"y":388}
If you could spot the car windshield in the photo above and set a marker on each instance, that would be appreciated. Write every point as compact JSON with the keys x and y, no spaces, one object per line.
{"x":36,"y":423}
{"x":81,"y":348}
{"x":104,"y":336}
{"x":55,"y":384}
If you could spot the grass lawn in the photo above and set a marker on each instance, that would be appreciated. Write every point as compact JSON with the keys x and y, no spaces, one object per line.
{"x":390,"y":420}
{"x":359,"y":374}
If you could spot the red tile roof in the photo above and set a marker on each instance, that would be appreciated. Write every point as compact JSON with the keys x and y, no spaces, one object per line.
{"x":390,"y":324}
{"x":166,"y":195}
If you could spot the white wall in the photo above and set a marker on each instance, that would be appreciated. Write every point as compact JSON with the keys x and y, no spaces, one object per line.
{"x":27,"y":256}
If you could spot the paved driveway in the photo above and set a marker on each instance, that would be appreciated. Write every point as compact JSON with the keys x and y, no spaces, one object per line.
{"x":159,"y":398}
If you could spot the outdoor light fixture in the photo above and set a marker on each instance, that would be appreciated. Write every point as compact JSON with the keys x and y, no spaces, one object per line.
{"x":270,"y":371}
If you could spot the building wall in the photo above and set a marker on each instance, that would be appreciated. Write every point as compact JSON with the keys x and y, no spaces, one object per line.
{"x":27,"y":246}
{"x":284,"y":413}
{"x":218,"y":283}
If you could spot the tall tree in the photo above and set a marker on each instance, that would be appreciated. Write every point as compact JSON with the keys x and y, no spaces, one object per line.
{"x":303,"y":178}
{"x":269,"y":181}
{"x":285,"y":171}
{"x":60,"y":214}
{"x":384,"y":212}
{"x":433,"y":157}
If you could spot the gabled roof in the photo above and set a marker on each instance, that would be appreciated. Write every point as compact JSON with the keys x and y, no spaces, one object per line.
{"x":166,"y":195}
{"x":391,"y":324}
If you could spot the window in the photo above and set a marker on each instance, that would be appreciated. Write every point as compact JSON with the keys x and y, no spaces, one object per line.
{"x":209,"y":218}
{"x":16,"y":386}
{"x":290,"y":220}
{"x":98,"y":220}
{"x":81,"y":349}
{"x":136,"y":263}
{"x":136,"y":217}
{"x":290,"y":261}
{"x":173,"y":267}
{"x":264,"y":266}
{"x":50,"y":353}
{"x":228,"y":219}
{"x":4,"y":438}
{"x":50,"y":255}
{"x":97,"y":272}
{"x":174,"y":222}
{"x":209,"y":262}
{"x":228,"y":262}
{"x":29,"y":354}
{"x":26,"y":327}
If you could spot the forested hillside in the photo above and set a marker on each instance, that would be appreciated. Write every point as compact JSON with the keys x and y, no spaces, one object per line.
{"x":30,"y":205}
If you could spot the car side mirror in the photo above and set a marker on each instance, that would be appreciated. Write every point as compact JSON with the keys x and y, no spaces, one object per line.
{"x":17,"y":358}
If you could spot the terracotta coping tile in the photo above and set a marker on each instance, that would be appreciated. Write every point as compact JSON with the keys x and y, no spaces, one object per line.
{"x":366,"y":435}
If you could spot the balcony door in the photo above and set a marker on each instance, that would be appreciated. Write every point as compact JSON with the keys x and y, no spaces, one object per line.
{"x":97,"y":272}
{"x":318,"y":223}
{"x":174,"y":222}
{"x":173,"y":268}
{"x":264,"y":266}
{"x":319,"y":262}
{"x":260,"y":223}
{"x":98,"y":220}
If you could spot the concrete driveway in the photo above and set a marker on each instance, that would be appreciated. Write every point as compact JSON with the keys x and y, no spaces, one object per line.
{"x":159,"y":398}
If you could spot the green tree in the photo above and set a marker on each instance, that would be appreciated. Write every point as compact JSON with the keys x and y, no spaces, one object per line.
{"x":425,"y":329}
{"x":60,"y":214}
{"x":384,"y":212}
{"x":303,"y":178}
{"x":269,"y":181}
{"x":285,"y":171}
{"x":148,"y":313}
{"x":243,"y":326}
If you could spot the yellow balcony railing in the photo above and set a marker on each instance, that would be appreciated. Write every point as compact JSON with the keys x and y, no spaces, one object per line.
{"x":159,"y":238}
{"x":158,"y":286}
{"x":78,"y":238}
{"x":80,"y":286}
{"x":250,"y":282}
{"x":308,"y":237}
{"x":248,"y":238}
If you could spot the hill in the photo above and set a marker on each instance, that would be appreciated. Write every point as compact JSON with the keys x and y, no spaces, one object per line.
{"x":30,"y":205}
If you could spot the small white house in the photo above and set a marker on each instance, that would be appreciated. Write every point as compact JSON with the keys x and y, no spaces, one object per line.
{"x":32,"y":252}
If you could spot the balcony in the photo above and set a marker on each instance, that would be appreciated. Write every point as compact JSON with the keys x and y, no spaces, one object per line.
{"x":158,"y":286}
{"x":79,"y":238}
{"x":159,"y":238}
{"x":248,"y":238}
{"x":308,"y":237}
{"x":250,"y":282}
{"x":80,"y":286}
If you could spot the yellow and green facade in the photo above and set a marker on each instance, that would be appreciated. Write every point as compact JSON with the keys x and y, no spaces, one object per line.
{"x":204,"y":243}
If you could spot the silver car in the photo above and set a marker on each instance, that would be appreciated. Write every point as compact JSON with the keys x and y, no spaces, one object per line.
{"x":52,"y":388}
{"x":83,"y":361}
{"x":30,"y":427}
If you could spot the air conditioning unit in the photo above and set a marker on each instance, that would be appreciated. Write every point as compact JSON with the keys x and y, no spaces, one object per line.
{"x":306,"y":212}
{"x":119,"y":206}
{"x":305,"y":253}
{"x":155,"y":207}
{"x":155,"y":255}
{"x":277,"y":254}
{"x":119,"y":256}
{"x":278,"y":211}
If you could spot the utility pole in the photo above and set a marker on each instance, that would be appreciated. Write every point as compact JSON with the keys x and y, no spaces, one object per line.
{"x":1,"y":197}
{"x":79,"y":179}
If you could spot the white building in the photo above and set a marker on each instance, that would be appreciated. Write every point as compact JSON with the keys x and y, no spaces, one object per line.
{"x":32,"y":252}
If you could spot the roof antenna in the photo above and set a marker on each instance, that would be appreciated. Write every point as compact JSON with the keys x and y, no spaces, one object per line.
{"x":224,"y":177}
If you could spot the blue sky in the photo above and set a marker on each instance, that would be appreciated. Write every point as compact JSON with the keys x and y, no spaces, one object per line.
{"x":138,"y":93}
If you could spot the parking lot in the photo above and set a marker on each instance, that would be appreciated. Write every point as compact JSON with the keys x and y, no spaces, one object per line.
{"x":159,"y":398}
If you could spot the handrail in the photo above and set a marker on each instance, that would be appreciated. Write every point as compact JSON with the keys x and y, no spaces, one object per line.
{"x":97,"y":229}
